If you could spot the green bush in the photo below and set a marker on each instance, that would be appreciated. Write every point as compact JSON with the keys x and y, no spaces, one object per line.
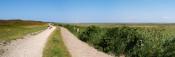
{"x":89,"y":33}
{"x":169,"y":48}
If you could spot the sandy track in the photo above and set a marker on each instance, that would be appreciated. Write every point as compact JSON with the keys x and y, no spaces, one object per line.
{"x":29,"y":46}
{"x":78,"y":48}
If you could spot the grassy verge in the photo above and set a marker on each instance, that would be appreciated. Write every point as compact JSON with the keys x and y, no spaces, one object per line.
{"x":11,"y":32}
{"x":55,"y":46}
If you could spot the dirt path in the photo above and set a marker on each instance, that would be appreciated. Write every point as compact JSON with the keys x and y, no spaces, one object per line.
{"x":31,"y":46}
{"x":78,"y":48}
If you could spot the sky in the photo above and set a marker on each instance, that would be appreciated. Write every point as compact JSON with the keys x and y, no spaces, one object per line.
{"x":80,"y":11}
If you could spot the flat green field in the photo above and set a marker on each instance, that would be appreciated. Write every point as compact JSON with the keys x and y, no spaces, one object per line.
{"x":11,"y":30}
{"x":14,"y":32}
{"x":55,"y":46}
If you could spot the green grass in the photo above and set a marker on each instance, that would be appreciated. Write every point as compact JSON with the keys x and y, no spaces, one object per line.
{"x":55,"y":46}
{"x":10,"y":32}
{"x":15,"y":29}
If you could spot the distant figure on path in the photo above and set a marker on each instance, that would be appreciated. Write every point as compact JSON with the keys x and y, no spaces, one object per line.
{"x":49,"y":26}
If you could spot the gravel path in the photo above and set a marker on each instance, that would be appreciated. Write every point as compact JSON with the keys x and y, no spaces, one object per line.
{"x":78,"y":48}
{"x":31,"y":46}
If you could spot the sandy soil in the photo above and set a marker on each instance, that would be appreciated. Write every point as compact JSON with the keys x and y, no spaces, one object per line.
{"x":78,"y":48}
{"x":30,"y":46}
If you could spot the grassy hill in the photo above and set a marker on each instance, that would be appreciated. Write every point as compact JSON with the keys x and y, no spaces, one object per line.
{"x":20,"y":22}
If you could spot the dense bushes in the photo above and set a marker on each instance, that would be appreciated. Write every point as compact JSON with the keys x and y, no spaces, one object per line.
{"x":90,"y":33}
{"x":122,"y":40}
{"x":128,"y":41}
{"x":169,"y":48}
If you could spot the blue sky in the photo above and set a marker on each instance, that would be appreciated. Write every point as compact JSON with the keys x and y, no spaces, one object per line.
{"x":89,"y":10}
